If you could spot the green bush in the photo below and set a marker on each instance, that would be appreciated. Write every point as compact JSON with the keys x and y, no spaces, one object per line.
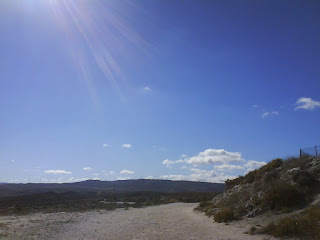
{"x":224,"y":215}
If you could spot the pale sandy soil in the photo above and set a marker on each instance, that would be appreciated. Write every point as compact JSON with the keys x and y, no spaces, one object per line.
{"x":175,"y":221}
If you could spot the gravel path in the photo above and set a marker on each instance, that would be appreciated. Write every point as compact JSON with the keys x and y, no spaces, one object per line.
{"x":175,"y":221}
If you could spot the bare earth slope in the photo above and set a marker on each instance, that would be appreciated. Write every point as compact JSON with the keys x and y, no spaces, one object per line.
{"x":172,"y":221}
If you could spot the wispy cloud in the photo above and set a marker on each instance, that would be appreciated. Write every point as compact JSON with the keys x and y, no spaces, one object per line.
{"x":58,"y":171}
{"x":147,"y":89}
{"x":254,"y":164}
{"x":87,"y":168}
{"x":174,"y":177}
{"x":123,"y":178}
{"x":149,"y":177}
{"x":127,"y":172}
{"x":167,"y":162}
{"x":160,"y":148}
{"x":307,"y":104}
{"x":104,"y":145}
{"x":268,"y":114}
{"x":127,"y":145}
{"x":228,"y":167}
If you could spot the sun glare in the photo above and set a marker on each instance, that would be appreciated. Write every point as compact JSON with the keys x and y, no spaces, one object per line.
{"x":105,"y":32}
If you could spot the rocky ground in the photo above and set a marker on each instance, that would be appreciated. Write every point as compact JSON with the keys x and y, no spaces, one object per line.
{"x":172,"y":221}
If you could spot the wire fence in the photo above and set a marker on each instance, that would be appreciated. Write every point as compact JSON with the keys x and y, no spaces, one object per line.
{"x":310,"y":151}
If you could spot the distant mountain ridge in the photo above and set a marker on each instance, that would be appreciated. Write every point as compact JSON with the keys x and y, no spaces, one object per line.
{"x":120,"y":186}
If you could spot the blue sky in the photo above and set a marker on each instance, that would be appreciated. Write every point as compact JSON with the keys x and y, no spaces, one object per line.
{"x":195,"y":90}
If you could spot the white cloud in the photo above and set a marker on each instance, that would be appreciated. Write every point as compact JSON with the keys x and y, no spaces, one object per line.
{"x":96,"y":174}
{"x":149,"y":177}
{"x":167,"y":162}
{"x":225,"y":165}
{"x":254,"y":164}
{"x":211,"y":156}
{"x":127,"y":145}
{"x":12,"y":160}
{"x":307,"y":104}
{"x":228,"y":167}
{"x":127,"y":172}
{"x":105,"y":145}
{"x":180,"y":161}
{"x":107,"y":173}
{"x":147,"y":89}
{"x":57,"y":172}
{"x":123,"y":178}
{"x":87,"y":169}
{"x":200,"y":175}
{"x":255,"y":106}
{"x":268,"y":114}
{"x":174,"y":177}
{"x":73,"y":179}
{"x":184,"y":156}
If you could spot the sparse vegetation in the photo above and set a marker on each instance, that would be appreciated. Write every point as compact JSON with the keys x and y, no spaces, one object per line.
{"x":224,"y":215}
{"x":305,"y":225}
{"x":252,"y":230}
{"x":71,"y":201}
{"x":282,"y":186}
{"x":207,"y":207}
{"x":282,"y":195}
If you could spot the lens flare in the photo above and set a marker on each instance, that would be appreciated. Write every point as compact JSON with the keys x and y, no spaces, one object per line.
{"x":104,"y":29}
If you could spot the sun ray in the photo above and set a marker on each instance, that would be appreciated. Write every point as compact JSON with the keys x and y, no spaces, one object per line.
{"x":105,"y":32}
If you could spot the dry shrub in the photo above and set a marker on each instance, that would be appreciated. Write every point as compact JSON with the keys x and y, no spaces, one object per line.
{"x":294,"y":162}
{"x":250,"y":177}
{"x":206,"y":204}
{"x":304,"y":178}
{"x":305,"y":225}
{"x":255,"y":175}
{"x":252,"y":230}
{"x":224,"y":215}
{"x":231,"y":183}
{"x":207,"y":207}
{"x":282,"y":195}
{"x":233,"y":199}
{"x":274,"y":164}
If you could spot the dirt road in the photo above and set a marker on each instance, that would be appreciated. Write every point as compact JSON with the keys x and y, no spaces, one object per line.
{"x":175,"y":221}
